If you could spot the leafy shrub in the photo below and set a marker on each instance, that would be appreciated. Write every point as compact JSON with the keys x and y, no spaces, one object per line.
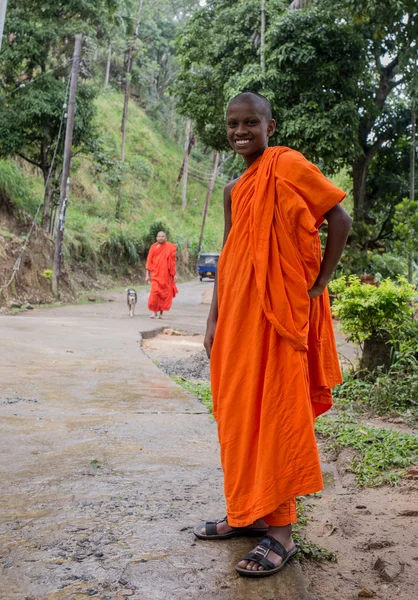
{"x":122,"y":247}
{"x":383,"y":392}
{"x":151,"y":236}
{"x":366,"y":310}
{"x":47,"y":273}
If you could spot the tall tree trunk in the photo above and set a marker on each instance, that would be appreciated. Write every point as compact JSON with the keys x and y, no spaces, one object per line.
{"x":412,"y":156}
{"x":128,"y":74}
{"x":360,"y":167}
{"x":211,"y":185}
{"x":298,"y":4}
{"x":185,"y":165}
{"x":263,"y":38}
{"x":48,"y":183}
{"x":47,"y":207}
{"x":412,"y":182}
{"x":109,"y":56}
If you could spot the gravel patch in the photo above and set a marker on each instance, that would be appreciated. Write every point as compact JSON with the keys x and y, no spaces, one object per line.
{"x":190,"y":367}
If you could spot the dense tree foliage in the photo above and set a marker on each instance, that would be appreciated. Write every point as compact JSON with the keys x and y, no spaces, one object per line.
{"x":338,"y":75}
{"x":36,"y":61}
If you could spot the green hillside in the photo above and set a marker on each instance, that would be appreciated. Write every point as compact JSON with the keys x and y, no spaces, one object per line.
{"x":149,"y":193}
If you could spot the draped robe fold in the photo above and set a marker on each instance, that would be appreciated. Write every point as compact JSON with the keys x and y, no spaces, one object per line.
{"x":274,"y":358}
{"x":161,"y":262}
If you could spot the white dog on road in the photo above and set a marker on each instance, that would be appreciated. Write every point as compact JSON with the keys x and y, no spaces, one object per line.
{"x":131,"y":300}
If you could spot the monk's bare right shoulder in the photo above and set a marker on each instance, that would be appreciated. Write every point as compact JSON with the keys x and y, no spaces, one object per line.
{"x":227,"y":208}
{"x":228,"y":190}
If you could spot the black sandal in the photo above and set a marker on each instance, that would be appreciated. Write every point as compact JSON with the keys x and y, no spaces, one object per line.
{"x":259,"y":555}
{"x":211,"y":533}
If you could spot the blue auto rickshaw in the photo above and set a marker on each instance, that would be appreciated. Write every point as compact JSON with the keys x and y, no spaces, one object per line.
{"x":207,"y":265}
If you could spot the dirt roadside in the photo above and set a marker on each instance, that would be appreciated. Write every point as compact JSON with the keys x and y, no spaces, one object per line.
{"x":373,"y":531}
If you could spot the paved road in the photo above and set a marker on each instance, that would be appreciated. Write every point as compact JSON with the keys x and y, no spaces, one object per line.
{"x":106,"y":464}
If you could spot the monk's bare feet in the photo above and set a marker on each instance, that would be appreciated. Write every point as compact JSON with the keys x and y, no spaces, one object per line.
{"x":161,"y":315}
{"x":282,"y":535}
{"x":223,"y":527}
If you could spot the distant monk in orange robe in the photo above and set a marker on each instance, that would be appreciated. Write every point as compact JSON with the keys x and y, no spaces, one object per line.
{"x":270,"y":337}
{"x":161,"y":272}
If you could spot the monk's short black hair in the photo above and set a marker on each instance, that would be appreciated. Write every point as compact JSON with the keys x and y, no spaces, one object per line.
{"x":261,"y":100}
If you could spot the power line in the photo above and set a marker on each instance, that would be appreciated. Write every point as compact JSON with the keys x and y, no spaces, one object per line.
{"x":36,"y":79}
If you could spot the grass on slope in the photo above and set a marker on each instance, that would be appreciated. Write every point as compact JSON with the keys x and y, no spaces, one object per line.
{"x":149,"y":191}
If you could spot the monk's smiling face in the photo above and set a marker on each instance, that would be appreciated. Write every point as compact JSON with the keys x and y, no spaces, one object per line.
{"x":161,"y":237}
{"x":249,"y":126}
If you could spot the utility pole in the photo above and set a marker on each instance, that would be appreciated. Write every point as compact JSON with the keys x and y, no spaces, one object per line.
{"x":412,"y":178}
{"x":192,"y":142}
{"x":65,"y":182}
{"x":263,"y":38}
{"x":186,"y":165}
{"x":208,"y":197}
{"x":128,"y":74}
{"x":3,"y":8}
{"x":109,"y":56}
{"x":413,"y":153}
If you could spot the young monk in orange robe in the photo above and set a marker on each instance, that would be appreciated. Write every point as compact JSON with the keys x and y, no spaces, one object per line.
{"x":270,"y":337}
{"x":161,"y":272}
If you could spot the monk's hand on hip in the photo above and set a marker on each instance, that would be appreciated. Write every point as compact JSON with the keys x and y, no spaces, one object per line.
{"x":316,"y":290}
{"x":209,"y":337}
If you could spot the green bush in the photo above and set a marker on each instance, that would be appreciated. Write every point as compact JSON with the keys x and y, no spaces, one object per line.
{"x":394,"y":391}
{"x":366,"y":310}
{"x":122,"y":246}
{"x":47,"y":273}
{"x":151,"y":237}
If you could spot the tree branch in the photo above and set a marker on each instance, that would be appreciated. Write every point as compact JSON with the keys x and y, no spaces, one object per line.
{"x":380,"y":235}
{"x":376,"y":52}
{"x":374,"y":148}
{"x":32,"y":162}
{"x":389,"y":68}
{"x":394,"y":84}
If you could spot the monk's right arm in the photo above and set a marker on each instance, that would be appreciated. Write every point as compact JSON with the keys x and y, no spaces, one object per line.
{"x":213,"y":312}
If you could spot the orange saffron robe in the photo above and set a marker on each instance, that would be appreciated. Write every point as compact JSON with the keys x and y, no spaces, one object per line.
{"x":274,"y":358}
{"x":161,"y":262}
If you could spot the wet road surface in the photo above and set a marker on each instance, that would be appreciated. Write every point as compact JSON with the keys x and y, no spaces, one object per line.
{"x":106,"y":464}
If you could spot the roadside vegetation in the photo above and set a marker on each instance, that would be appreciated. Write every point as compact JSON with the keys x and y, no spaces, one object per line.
{"x":382,"y":456}
{"x":150,"y":197}
{"x":200,"y":389}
